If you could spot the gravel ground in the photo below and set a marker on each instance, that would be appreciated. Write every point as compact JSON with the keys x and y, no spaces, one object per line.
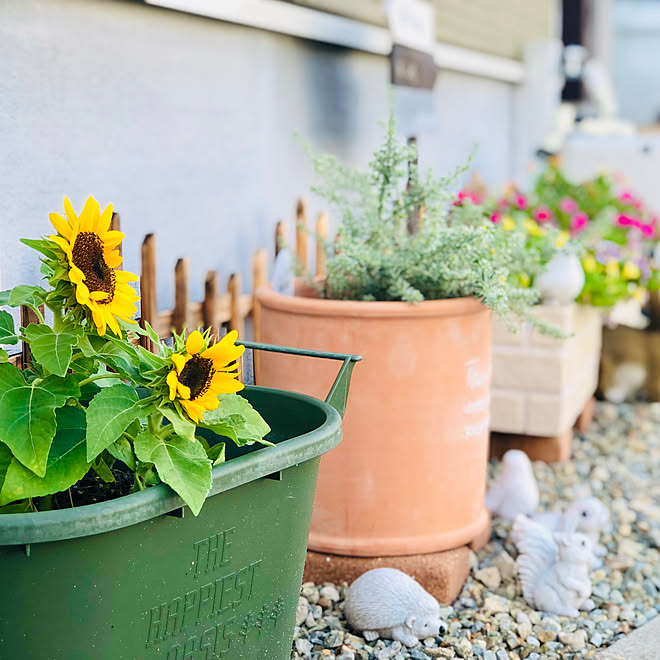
{"x":618,"y":461}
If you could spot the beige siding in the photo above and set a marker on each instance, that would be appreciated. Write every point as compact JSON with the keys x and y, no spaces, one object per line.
{"x":500,"y":27}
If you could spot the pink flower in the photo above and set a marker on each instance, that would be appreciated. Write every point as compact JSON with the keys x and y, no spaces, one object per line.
{"x":467,"y":194}
{"x":568,"y":205}
{"x":579,"y":221}
{"x":627,"y":197}
{"x":627,"y":221}
{"x":520,"y":201}
{"x":647,"y":230}
{"x":495,"y":217}
{"x":542,"y":214}
{"x":503,"y":203}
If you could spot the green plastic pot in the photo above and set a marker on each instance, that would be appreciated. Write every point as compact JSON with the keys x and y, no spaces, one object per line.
{"x":141,"y":578}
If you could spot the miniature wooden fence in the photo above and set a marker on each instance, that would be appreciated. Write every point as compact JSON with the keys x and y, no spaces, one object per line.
{"x":231,"y":307}
{"x":302,"y":237}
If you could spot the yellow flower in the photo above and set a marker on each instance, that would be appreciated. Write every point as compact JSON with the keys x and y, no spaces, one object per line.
{"x":589,"y":264}
{"x":90,"y":248}
{"x":524,"y":279}
{"x":640,"y":295}
{"x":201,"y":374}
{"x":562,"y":239}
{"x":508,"y":223}
{"x":533,"y":228}
{"x":612,"y":268}
{"x":630,"y":271}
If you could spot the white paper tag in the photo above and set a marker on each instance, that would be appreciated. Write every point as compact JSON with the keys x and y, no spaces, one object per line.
{"x":411,"y":23}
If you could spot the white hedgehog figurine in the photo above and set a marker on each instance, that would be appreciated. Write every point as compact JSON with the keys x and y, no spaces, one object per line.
{"x":553,"y":568}
{"x":385,"y":602}
{"x":588,"y":516}
{"x":514,"y":490}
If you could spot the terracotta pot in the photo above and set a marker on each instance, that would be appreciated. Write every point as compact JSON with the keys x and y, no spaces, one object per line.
{"x":410,"y":475}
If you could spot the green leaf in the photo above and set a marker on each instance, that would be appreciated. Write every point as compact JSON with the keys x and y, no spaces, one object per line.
{"x":235,"y":418}
{"x":122,"y":450}
{"x":52,"y":349}
{"x":66,"y":462}
{"x":120,"y":357}
{"x":104,"y":472}
{"x":7,"y":331}
{"x":217,"y":453}
{"x":109,"y":414}
{"x":46,"y":247}
{"x":20,"y":507}
{"x":6,"y":458}
{"x":23,"y":294}
{"x":4,"y":356}
{"x":4,"y":296}
{"x":184,"y":428}
{"x":181,"y":464}
{"x":27,"y":414}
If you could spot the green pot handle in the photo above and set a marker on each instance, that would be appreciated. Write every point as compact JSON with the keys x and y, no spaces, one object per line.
{"x":339,"y":391}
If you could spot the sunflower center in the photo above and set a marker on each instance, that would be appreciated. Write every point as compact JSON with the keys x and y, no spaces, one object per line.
{"x":87,"y":254}
{"x":197,"y":375}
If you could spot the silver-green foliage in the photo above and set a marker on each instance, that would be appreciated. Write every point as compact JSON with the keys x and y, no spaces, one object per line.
{"x":380,"y":254}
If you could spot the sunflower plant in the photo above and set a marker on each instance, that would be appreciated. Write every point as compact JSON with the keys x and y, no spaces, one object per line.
{"x":92,"y":408}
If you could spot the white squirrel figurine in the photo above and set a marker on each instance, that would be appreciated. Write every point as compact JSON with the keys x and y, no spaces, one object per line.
{"x":553,"y":568}
{"x":514,"y":490}
{"x":385,"y":602}
{"x":587,"y":515}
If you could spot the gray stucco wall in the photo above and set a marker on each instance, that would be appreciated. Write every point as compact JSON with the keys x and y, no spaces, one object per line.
{"x":187,"y":125}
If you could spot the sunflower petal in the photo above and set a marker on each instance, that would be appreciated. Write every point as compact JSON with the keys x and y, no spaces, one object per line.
{"x":195,"y":342}
{"x":113,"y":259}
{"x":63,"y":243}
{"x":90,"y":215}
{"x":112,"y":322}
{"x":71,"y":215}
{"x":125,"y":276}
{"x":194,"y":410}
{"x":76,"y":275}
{"x":224,"y":384}
{"x":105,"y":220}
{"x":82,"y":293}
{"x":172,"y":381}
{"x":179,"y":361}
{"x":99,"y":320}
{"x":225,"y":351}
{"x":62,"y":227}
{"x":98,"y":295}
{"x":111,"y":239}
{"x":183,"y":390}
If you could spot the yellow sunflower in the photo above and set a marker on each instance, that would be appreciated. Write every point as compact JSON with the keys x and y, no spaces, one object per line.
{"x":201,"y":374}
{"x":90,"y":247}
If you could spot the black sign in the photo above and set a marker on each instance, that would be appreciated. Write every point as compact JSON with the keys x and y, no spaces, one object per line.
{"x":412,"y":68}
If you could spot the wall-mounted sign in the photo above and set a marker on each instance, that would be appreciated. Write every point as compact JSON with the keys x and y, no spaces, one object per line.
{"x":412,"y":26}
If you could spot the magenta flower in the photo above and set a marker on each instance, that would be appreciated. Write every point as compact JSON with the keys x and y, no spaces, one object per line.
{"x":579,"y":221}
{"x":627,"y":221}
{"x":520,"y":201}
{"x":495,"y":217}
{"x":647,"y":230}
{"x":503,"y":203}
{"x":467,"y":194}
{"x":568,"y":205}
{"x":627,"y":197}
{"x":542,"y":214}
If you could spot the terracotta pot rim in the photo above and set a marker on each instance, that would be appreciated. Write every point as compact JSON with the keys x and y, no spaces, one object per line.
{"x":310,"y":306}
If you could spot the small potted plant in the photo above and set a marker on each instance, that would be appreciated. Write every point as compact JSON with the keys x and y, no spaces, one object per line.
{"x":540,"y":384}
{"x":103,"y":448}
{"x":410,"y":284}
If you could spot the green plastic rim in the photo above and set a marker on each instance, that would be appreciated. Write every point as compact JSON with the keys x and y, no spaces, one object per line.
{"x":45,"y":526}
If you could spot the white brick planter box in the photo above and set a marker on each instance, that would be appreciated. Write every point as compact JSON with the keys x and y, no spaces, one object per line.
{"x":541,"y":384}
